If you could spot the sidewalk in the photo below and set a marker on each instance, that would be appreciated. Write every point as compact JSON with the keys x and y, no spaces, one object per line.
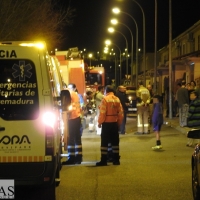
{"x":174,"y":123}
{"x":131,"y":126}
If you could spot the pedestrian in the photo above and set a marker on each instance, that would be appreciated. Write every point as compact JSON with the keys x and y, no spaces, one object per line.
{"x":143,"y":110}
{"x":121,"y":94}
{"x":83,"y":120}
{"x":190,"y":88}
{"x":193,"y":115}
{"x":183,"y":103}
{"x":98,"y":97}
{"x":193,"y":85}
{"x":110,"y":118}
{"x":157,"y":120}
{"x":74,"y":144}
{"x":149,"y":87}
{"x":90,"y":106}
{"x":81,"y":99}
{"x":198,"y":89}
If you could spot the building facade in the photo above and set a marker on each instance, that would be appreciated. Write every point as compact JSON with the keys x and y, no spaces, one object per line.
{"x":185,"y":61}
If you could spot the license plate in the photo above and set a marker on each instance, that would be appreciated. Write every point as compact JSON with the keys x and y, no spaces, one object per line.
{"x":132,"y":109}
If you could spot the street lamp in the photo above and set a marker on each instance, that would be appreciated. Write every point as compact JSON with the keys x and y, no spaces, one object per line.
{"x":155,"y":51}
{"x":144,"y":41}
{"x":170,"y":59}
{"x":90,"y":56}
{"x":108,"y":42}
{"x":117,"y":11}
{"x":111,"y":30}
{"x":114,"y":21}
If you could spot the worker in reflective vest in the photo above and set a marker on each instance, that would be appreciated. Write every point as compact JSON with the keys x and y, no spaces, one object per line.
{"x":110,"y":118}
{"x":143,"y":96}
{"x":74,"y":144}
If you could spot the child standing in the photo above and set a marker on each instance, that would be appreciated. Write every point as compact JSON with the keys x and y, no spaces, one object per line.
{"x":157,"y":120}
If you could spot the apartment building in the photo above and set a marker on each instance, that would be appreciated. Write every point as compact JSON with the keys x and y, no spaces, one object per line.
{"x":185,"y":61}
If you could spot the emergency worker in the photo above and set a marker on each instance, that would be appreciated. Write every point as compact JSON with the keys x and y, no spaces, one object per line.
{"x":143,"y":110}
{"x":121,"y":94}
{"x":74,"y":144}
{"x":110,"y":119}
{"x":98,"y":97}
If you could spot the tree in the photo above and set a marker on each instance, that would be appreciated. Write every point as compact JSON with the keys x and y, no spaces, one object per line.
{"x":35,"y":20}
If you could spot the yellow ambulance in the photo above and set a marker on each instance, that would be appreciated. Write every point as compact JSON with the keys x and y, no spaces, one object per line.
{"x":30,"y":115}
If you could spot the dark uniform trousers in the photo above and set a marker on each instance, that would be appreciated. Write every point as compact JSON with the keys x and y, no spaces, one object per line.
{"x":109,"y":134}
{"x":74,"y":143}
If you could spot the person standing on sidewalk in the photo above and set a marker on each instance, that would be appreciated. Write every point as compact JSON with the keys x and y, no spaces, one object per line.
{"x":193,"y":85}
{"x":74,"y":144}
{"x":121,"y":94}
{"x":183,"y":103}
{"x":98,"y":97}
{"x":143,"y":110}
{"x":157,"y":120}
{"x":110,"y":118}
{"x":193,"y":114}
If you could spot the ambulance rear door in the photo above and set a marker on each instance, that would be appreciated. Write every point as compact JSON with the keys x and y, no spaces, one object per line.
{"x":24,"y":98}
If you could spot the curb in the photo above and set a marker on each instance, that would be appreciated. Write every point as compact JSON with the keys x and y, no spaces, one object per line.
{"x":171,"y":123}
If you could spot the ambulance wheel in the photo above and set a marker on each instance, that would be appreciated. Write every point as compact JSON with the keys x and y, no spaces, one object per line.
{"x":49,"y":192}
{"x":59,"y":157}
{"x":57,"y":182}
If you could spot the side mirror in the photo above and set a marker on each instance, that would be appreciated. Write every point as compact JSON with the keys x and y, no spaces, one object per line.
{"x":194,"y":134}
{"x":65,"y":99}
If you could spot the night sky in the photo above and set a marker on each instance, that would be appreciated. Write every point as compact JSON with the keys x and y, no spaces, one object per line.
{"x":92,"y":20}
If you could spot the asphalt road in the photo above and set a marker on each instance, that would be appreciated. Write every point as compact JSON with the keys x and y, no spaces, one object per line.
{"x":144,"y":174}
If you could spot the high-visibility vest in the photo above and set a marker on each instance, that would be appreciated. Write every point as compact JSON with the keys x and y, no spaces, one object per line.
{"x":75,"y":110}
{"x":110,"y":109}
{"x":144,"y":95}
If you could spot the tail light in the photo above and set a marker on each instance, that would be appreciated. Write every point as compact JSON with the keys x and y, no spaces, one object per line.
{"x":49,"y":119}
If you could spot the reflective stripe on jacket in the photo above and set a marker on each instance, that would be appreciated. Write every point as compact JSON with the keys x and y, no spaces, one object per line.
{"x":110,"y":109}
{"x":75,"y":110}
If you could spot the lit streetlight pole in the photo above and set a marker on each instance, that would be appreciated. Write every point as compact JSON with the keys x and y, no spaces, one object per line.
{"x":114,"y":21}
{"x":155,"y":51}
{"x":170,"y":59}
{"x":117,"y":11}
{"x":90,"y":56}
{"x":108,"y":42}
{"x":111,"y":30}
{"x":144,"y":41}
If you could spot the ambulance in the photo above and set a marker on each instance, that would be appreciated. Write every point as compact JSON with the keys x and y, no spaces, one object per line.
{"x":30,"y":115}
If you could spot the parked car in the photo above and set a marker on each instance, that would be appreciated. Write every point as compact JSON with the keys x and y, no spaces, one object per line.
{"x":131,"y":96}
{"x":195,"y":164}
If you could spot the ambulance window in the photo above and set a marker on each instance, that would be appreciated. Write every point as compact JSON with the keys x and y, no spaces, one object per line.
{"x":54,"y":76}
{"x":18,"y":90}
{"x":94,"y":78}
